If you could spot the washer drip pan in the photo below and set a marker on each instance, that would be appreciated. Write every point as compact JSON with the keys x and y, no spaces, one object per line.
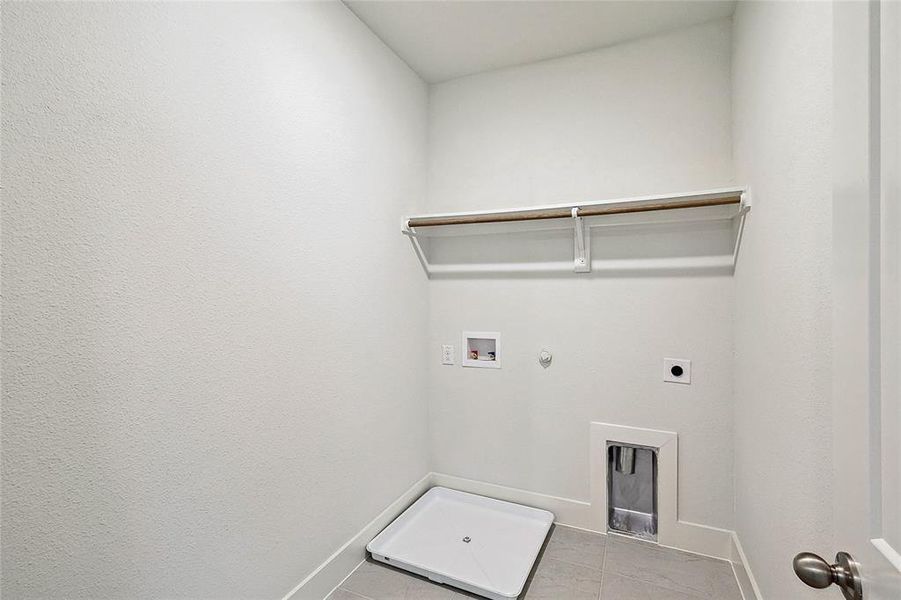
{"x":477,"y":544}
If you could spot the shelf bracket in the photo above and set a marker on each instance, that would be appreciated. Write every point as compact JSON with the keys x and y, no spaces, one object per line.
{"x":581,"y":244}
{"x":745,"y":204}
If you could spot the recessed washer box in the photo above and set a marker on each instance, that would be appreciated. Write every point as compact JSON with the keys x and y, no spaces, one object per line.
{"x":477,"y":544}
{"x":481,"y":349}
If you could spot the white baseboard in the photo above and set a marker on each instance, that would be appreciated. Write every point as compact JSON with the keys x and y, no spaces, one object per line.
{"x":691,"y":537}
{"x":701,"y":539}
{"x":746,"y":582}
{"x":575,"y":513}
{"x":339,"y":565}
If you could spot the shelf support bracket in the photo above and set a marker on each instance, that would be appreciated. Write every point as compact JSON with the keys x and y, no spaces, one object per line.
{"x":581,"y":244}
{"x":417,"y":247}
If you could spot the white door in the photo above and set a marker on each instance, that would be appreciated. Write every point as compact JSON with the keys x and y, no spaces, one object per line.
{"x":866,"y":451}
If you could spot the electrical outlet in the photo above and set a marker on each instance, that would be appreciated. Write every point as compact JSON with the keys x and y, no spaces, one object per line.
{"x":447,"y":354}
{"x":677,"y":370}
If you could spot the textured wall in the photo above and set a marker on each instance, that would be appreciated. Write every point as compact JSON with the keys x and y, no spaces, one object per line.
{"x":213,"y":332}
{"x":782,"y":74}
{"x":653,"y":116}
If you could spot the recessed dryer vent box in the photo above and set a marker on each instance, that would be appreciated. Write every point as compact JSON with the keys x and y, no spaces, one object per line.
{"x":632,"y":490}
{"x":482,"y":349}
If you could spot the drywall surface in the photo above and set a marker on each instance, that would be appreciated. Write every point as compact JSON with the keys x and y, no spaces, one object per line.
{"x":647,"y":117}
{"x":213,"y":333}
{"x":445,"y":40}
{"x":652,"y":116}
{"x":782,"y":72}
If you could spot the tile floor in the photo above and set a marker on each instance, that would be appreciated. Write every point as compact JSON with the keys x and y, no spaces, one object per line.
{"x":573,"y":565}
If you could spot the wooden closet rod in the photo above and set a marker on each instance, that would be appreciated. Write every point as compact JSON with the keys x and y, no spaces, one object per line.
{"x":591,"y":210}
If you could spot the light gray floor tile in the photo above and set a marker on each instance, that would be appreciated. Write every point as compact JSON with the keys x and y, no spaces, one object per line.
{"x":423,"y":589}
{"x":615,"y":587}
{"x":671,"y":569}
{"x":576,"y":546}
{"x":378,"y":582}
{"x":340,"y":594}
{"x":556,"y":580}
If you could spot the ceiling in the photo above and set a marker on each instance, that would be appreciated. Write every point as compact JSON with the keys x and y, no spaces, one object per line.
{"x":444,"y":39}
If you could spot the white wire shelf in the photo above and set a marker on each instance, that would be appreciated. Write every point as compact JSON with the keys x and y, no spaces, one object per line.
{"x":725,"y":204}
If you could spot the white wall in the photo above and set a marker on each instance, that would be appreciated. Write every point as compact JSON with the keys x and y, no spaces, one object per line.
{"x":653,"y":116}
{"x":782,"y":73}
{"x":214,"y":333}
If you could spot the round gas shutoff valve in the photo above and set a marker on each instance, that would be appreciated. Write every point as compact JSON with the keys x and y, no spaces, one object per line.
{"x":676,"y":371}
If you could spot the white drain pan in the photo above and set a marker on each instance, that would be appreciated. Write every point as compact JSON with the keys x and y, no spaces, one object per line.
{"x":477,"y":544}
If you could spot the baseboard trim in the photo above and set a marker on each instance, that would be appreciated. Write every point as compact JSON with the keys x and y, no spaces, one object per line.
{"x":574,"y":513}
{"x":327,"y":576}
{"x":691,"y":537}
{"x":746,"y":582}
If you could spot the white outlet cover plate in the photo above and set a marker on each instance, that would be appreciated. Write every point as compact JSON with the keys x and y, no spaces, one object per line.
{"x":669,"y":363}
{"x":447,"y":354}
